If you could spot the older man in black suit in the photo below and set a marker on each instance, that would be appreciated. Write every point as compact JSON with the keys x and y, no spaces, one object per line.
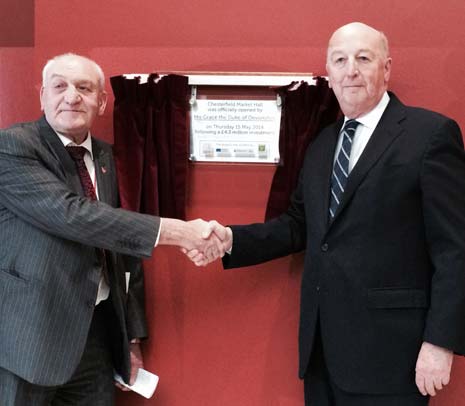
{"x":380,"y":210}
{"x":67,"y":316}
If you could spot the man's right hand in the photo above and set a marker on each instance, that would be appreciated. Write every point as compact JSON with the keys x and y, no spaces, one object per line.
{"x":203,"y":241}
{"x":214,"y":233}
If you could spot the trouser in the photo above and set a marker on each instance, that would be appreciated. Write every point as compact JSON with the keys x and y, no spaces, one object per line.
{"x":90,"y":385}
{"x":320,"y":389}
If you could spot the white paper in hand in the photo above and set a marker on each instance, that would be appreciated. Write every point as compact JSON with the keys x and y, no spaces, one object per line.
{"x":145,"y":383}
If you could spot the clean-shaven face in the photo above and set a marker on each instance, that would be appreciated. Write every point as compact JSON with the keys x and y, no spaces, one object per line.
{"x":71,"y":97}
{"x":358,"y":67}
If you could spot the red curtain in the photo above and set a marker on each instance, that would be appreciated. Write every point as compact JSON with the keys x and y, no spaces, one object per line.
{"x":151,"y":143}
{"x":305,"y":111}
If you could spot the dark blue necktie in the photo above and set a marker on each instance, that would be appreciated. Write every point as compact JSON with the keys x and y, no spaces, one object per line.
{"x":341,"y":166}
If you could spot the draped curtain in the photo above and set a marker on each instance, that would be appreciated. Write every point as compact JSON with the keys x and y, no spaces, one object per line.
{"x":151,"y":140}
{"x":151,"y":143}
{"x":305,"y":111}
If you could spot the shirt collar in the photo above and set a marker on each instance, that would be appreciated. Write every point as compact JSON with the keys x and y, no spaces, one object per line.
{"x":371,"y":119}
{"x":87,"y":143}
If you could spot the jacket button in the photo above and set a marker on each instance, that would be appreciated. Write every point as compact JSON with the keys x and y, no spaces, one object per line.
{"x":324,"y":247}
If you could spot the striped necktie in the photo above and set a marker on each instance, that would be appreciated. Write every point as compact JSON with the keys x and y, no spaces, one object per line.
{"x":341,"y":166}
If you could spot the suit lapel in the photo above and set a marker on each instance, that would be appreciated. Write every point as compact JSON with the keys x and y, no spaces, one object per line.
{"x":102,"y":175}
{"x":101,"y":162}
{"x":58,"y":149}
{"x":387,"y":130}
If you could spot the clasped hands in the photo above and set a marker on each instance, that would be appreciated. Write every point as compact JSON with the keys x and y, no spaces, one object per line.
{"x":206,"y":241}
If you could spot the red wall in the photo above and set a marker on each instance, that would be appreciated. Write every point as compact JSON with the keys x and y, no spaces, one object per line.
{"x":217,"y":337}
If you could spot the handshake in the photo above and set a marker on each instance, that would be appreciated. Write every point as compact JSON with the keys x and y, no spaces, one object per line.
{"x":202,"y":241}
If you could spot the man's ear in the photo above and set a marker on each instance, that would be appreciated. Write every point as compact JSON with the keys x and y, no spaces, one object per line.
{"x":102,"y":102}
{"x":41,"y":95}
{"x":387,"y":69}
{"x":327,"y":72}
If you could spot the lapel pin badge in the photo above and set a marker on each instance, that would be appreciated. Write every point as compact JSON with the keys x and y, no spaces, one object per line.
{"x":104,"y":169}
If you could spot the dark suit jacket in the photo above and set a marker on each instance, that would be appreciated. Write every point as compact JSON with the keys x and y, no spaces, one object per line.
{"x":49,"y":267}
{"x":389,"y":272}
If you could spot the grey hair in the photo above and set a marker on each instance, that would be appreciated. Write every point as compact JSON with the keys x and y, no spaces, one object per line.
{"x":50,"y":62}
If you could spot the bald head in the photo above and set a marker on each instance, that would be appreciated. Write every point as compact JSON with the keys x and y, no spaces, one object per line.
{"x":361,"y":29}
{"x":358,"y":66}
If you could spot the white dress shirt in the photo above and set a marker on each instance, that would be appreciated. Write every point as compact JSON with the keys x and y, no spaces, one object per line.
{"x":368,"y":123}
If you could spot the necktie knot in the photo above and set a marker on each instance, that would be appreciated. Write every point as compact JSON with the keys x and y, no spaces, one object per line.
{"x":350,"y":126}
{"x":77,"y":153}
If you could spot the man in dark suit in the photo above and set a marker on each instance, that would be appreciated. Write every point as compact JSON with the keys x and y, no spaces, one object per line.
{"x":380,"y":210}
{"x":71,"y":286}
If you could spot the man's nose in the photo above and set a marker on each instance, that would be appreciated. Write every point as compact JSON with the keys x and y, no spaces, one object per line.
{"x":72,"y":96}
{"x":352,"y":68}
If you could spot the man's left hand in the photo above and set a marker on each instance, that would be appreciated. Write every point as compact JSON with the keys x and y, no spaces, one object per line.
{"x":433,"y":368}
{"x":136,"y":363}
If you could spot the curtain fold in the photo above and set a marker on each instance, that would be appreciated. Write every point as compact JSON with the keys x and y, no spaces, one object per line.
{"x":305,"y":111}
{"x":151,"y":143}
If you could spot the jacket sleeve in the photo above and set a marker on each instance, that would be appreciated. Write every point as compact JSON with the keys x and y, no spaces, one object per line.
{"x":261,"y":242}
{"x":136,"y":317}
{"x":33,"y":187}
{"x":443,"y":199}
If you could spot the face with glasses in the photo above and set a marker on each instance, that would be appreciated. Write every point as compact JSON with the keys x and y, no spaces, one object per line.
{"x":71,"y":96}
{"x":358,"y":68}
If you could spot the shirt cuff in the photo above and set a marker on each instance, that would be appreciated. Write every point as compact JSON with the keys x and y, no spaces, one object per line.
{"x":159,"y":232}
